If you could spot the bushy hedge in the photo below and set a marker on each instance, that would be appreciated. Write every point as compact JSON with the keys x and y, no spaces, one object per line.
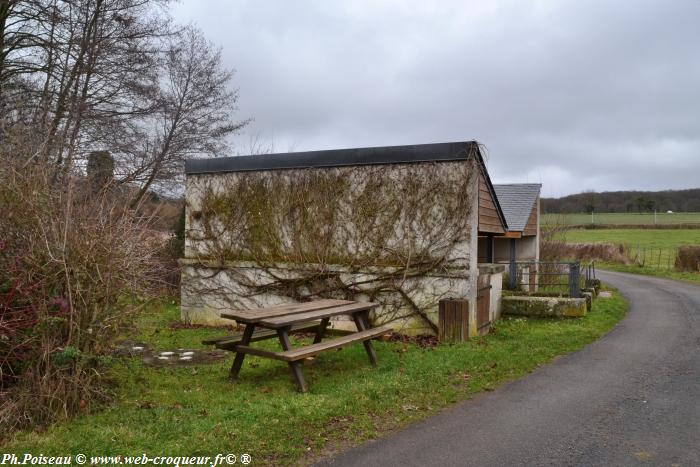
{"x":688,"y":258}
{"x":73,"y":264}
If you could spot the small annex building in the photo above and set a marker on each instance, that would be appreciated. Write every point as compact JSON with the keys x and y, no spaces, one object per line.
{"x":520,"y":204}
{"x":397,"y":225}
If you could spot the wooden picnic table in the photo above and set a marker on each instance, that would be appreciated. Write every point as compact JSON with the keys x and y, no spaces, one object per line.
{"x":280,"y":320}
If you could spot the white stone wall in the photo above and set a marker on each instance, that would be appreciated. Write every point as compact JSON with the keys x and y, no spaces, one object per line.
{"x":391,"y":174}
{"x":228,"y":289}
{"x":526,"y":248}
{"x":211,"y":286}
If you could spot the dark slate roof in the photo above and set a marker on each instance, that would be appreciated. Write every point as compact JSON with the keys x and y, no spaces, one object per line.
{"x":516,"y":201}
{"x":336,"y":158}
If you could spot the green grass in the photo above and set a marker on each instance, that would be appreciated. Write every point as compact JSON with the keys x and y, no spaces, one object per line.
{"x":196,"y":410}
{"x":645,"y":238}
{"x":650,"y":271}
{"x":621,"y":218}
{"x":655,"y":248}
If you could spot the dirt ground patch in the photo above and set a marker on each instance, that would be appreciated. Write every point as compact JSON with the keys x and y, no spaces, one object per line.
{"x":160,"y":358}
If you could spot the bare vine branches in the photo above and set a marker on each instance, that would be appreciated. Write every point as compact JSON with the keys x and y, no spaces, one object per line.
{"x":395,"y":234}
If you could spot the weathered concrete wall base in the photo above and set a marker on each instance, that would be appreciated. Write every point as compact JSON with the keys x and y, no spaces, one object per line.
{"x":545,"y":307}
{"x":208,"y":291}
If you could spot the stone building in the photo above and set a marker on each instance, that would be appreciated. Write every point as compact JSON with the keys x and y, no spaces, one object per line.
{"x":396,"y":225}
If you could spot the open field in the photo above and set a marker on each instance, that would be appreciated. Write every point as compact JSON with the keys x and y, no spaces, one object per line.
{"x":644,"y":238}
{"x":650,"y":251}
{"x":196,"y":410}
{"x":646,"y":219}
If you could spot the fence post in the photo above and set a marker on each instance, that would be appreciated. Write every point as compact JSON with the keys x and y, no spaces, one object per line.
{"x":453,"y":320}
{"x":574,"y":280}
{"x":588,"y":276}
{"x":512,"y":274}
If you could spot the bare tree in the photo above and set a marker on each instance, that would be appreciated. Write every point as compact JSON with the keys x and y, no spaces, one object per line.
{"x":194,"y":116}
{"x":78,"y":76}
{"x":111,"y":78}
{"x":93,"y":93}
{"x":87,"y":68}
{"x":18,"y":35}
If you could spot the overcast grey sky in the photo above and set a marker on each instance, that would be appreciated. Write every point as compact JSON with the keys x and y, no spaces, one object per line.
{"x":579,"y":95}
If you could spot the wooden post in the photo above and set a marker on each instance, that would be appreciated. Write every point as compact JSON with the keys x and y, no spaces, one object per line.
{"x":513,"y":268}
{"x":453,"y":320}
{"x":489,"y":249}
{"x":238,"y":360}
{"x":321,"y":330}
{"x":362,"y":322}
{"x":294,"y":367}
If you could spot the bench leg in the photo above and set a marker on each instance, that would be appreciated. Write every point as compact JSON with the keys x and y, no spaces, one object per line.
{"x":321,"y":330}
{"x":238,"y":360}
{"x":362,"y":323}
{"x":294,"y":367}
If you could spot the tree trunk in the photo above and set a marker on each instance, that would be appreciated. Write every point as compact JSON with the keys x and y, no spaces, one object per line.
{"x":4,"y":12}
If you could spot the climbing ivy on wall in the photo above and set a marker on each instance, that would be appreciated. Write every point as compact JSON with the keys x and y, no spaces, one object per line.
{"x":400,"y":222}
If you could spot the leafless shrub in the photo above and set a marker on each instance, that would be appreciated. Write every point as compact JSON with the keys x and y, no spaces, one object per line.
{"x":74,"y":264}
{"x":553,"y":242}
{"x":607,"y":252}
{"x":688,"y":258}
{"x":554,"y":247}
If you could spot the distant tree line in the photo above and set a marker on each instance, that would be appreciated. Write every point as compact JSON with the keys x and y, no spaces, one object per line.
{"x":625,"y":201}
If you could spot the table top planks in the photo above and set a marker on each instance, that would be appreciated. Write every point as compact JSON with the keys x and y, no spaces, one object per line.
{"x":296,"y":318}
{"x":258,"y":314}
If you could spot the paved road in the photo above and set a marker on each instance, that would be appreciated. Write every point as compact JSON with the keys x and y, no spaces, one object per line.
{"x":631,"y":398}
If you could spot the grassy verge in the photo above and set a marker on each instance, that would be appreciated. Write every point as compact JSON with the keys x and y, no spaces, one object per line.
{"x":195,"y":410}
{"x":647,"y":271}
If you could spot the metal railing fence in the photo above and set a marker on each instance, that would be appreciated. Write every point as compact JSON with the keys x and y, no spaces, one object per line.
{"x":562,"y":277}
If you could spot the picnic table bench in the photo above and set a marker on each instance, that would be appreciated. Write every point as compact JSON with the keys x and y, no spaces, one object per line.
{"x":278,"y":321}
